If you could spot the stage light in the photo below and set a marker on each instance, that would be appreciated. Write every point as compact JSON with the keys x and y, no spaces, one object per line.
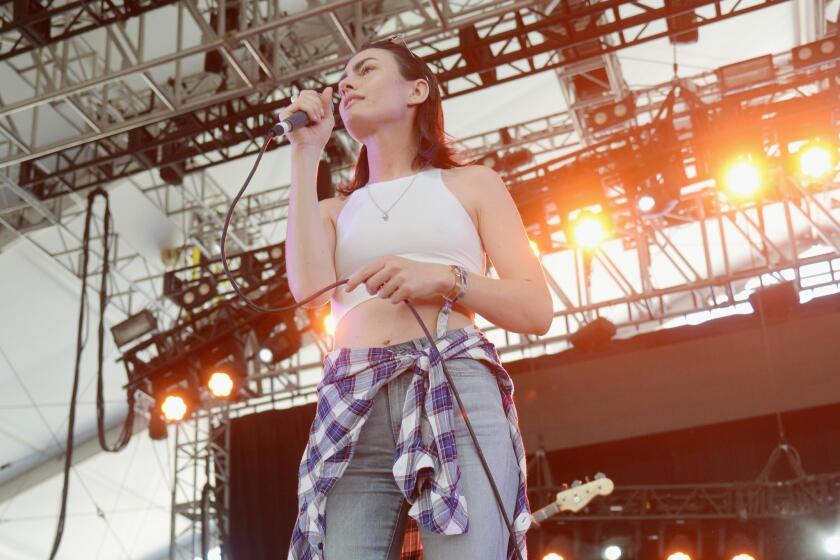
{"x":279,"y":338}
{"x":220,"y":384}
{"x":816,"y":160}
{"x":174,"y":407}
{"x":329,"y":324}
{"x":589,"y":230}
{"x":134,"y":327}
{"x":612,"y":552}
{"x":646,"y":203}
{"x":679,"y":556}
{"x":744,"y":177}
{"x":157,"y":425}
{"x":740,"y":546}
{"x":265,"y":355}
{"x":534,"y":247}
{"x":832,"y":545}
{"x":553,"y":556}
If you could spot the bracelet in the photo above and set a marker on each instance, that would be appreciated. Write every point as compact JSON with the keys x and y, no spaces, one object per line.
{"x":460,"y":288}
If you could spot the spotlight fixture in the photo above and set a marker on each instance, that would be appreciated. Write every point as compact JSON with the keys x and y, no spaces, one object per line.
{"x":816,"y":160}
{"x":189,"y":294}
{"x":646,"y":203}
{"x":832,"y":545}
{"x":607,"y":116}
{"x":134,"y":327}
{"x":612,"y":552}
{"x":157,"y":424}
{"x":220,"y":384}
{"x":176,"y":406}
{"x":534,"y":247}
{"x":740,"y":546}
{"x":680,"y":547}
{"x":744,"y":176}
{"x":817,"y":52}
{"x":588,"y":230}
{"x":279,"y":339}
{"x":329,"y":324}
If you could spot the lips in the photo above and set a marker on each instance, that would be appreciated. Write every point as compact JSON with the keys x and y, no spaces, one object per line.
{"x":351,"y":98}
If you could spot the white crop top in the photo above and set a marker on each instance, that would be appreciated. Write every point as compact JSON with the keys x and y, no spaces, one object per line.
{"x":428,"y":224}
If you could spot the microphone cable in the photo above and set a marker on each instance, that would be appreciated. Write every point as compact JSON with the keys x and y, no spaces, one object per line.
{"x":301,"y":118}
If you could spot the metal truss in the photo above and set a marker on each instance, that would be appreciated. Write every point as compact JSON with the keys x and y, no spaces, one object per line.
{"x":63,"y":244}
{"x":28,"y":26}
{"x":195,"y":114}
{"x":200,"y":490}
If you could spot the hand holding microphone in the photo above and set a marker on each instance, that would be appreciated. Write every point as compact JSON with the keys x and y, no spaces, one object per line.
{"x":312,"y":126}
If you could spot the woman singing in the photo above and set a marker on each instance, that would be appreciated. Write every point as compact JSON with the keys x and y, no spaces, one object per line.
{"x":388,"y":440}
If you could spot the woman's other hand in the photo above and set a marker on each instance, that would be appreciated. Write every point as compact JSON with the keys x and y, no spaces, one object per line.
{"x":396,"y":279}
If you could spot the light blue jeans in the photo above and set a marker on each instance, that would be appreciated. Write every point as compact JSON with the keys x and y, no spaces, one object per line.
{"x":365,"y":510}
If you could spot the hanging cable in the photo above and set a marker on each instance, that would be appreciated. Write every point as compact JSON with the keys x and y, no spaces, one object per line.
{"x":80,"y":344}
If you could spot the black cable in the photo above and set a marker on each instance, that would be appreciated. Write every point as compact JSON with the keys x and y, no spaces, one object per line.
{"x":100,"y":404}
{"x":261,"y":309}
{"x":128,"y":424}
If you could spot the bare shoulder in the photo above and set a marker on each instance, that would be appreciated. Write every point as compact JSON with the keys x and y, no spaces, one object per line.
{"x":481,"y":186}
{"x":474,"y":176}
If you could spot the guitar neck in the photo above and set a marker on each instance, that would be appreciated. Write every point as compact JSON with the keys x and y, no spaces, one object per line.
{"x":544,"y":513}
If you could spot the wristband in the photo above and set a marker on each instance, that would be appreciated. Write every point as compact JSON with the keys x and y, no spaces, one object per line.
{"x":461,"y":283}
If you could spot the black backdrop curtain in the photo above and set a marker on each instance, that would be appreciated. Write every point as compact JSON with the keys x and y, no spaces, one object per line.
{"x":265,"y":451}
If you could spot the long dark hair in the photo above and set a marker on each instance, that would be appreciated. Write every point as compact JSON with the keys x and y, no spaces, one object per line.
{"x":435,"y":144}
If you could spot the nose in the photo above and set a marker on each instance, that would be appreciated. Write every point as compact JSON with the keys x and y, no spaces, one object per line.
{"x":343,"y":87}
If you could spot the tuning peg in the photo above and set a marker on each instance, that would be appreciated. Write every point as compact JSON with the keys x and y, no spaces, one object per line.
{"x":576,"y":483}
{"x":600,"y":475}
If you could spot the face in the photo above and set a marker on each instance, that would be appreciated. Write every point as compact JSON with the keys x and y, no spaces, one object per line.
{"x":376,"y":92}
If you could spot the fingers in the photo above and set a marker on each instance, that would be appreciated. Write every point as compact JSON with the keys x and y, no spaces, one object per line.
{"x":374,"y":282}
{"x":363,"y":274}
{"x":390,"y":289}
{"x":307,"y":101}
{"x":327,"y":98}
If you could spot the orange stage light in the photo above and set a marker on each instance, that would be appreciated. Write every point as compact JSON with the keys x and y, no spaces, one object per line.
{"x":744,"y":177}
{"x":534,"y":247}
{"x":174,"y":408}
{"x":553,"y":556}
{"x":816,"y":160}
{"x":589,"y":230}
{"x":220,"y":384}
{"x":329,"y":324}
{"x":743,"y":556}
{"x":679,"y":556}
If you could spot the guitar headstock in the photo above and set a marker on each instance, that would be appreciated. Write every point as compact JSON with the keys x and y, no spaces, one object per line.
{"x":581,"y":493}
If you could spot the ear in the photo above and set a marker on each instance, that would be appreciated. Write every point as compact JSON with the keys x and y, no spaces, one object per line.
{"x":419,"y":92}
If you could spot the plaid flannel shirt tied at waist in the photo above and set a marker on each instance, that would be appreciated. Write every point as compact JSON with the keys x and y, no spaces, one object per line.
{"x":425,"y":461}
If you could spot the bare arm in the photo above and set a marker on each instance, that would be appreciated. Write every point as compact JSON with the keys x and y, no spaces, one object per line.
{"x":310,"y":234}
{"x":519,"y":300}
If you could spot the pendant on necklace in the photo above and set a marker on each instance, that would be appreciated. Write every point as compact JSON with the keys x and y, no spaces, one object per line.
{"x":384,"y":217}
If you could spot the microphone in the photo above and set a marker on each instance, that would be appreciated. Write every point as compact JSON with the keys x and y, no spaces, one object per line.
{"x":297,"y":120}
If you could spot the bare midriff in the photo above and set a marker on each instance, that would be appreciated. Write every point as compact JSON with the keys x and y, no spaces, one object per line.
{"x":377,"y":322}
